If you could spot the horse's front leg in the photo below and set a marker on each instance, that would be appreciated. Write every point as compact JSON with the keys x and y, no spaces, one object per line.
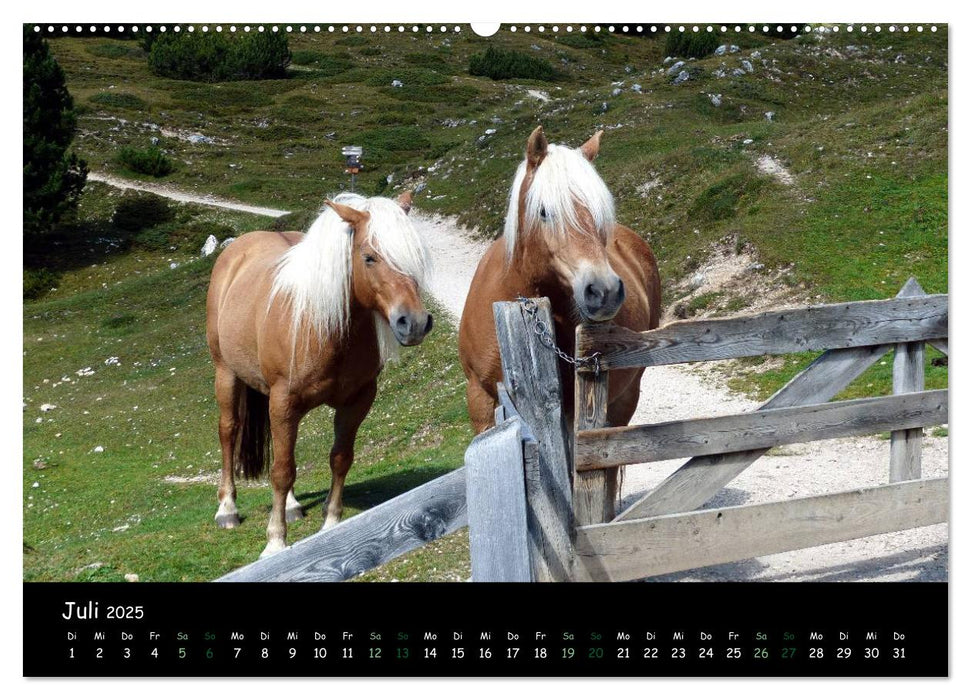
{"x":347,"y":419}
{"x":285,"y":415}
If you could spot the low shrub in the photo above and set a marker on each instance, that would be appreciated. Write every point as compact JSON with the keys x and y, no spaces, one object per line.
{"x":583,"y":40}
{"x":213,"y":57}
{"x":141,"y":211}
{"x":38,"y":282}
{"x":691,"y":44}
{"x":147,"y":161}
{"x":500,"y":64}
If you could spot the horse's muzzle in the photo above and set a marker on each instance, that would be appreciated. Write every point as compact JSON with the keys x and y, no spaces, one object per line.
{"x":410,"y":328}
{"x":599,"y":298}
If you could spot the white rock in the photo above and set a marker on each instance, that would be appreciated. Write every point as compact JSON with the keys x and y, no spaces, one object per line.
{"x":227,"y":241}
{"x":769,"y":115}
{"x":746,"y":142}
{"x":489,"y":132}
{"x":45,"y":407}
{"x":615,"y":92}
{"x":715,"y":99}
{"x":682,"y":77}
{"x":172,"y":266}
{"x":209,"y":247}
{"x":131,"y":578}
{"x":397,"y":83}
{"x":98,"y":449}
{"x":673,"y":70}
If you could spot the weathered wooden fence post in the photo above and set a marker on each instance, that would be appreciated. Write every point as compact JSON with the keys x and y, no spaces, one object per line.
{"x":594,"y":493}
{"x":908,"y":376}
{"x":531,"y":375}
{"x":497,"y":505}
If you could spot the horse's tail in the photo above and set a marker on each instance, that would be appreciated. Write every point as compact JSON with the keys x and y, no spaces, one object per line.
{"x":251,"y":453}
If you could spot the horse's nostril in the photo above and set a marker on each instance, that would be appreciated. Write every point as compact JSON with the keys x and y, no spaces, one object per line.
{"x":620,"y":288}
{"x":402,"y":322}
{"x":593,"y":292}
{"x":428,"y":325}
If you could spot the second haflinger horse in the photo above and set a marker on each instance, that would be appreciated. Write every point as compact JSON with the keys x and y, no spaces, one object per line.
{"x":299,"y":320}
{"x":560,"y":241}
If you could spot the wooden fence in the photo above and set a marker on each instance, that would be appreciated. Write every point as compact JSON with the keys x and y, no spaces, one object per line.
{"x":539,"y":493}
{"x":662,"y":532}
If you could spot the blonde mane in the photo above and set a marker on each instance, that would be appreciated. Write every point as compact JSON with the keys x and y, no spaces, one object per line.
{"x":564,"y":180}
{"x":314,"y":275}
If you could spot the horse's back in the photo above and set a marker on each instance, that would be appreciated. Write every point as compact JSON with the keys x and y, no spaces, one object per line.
{"x":239,"y":288}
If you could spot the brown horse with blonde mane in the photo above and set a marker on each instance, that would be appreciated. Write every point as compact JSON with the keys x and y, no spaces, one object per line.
{"x":297,"y":320}
{"x":560,"y":241}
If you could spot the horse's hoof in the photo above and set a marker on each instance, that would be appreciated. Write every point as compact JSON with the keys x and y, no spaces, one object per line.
{"x":272,"y":548}
{"x":228,"y":522}
{"x":329,"y":523}
{"x":294,"y":514}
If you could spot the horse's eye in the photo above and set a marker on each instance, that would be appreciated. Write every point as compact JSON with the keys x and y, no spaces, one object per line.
{"x":543,"y":215}
{"x":369,"y":259}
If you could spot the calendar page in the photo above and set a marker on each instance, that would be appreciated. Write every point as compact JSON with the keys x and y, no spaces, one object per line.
{"x":553,"y":349}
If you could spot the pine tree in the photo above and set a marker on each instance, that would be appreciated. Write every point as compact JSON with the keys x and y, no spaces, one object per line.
{"x":53,"y":176}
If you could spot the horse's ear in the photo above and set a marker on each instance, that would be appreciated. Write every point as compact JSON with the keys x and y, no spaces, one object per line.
{"x":404,"y":201}
{"x":536,"y":147}
{"x":354,"y":217}
{"x":592,"y":147}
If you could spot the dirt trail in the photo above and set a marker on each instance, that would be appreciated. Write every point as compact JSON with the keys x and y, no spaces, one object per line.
{"x":674,"y":392}
{"x":181,"y":196}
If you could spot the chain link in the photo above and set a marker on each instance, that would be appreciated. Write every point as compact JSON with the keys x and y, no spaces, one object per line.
{"x":591,"y":362}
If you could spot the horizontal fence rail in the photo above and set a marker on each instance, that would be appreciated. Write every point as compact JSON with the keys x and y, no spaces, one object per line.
{"x":611,"y":447}
{"x":370,"y":539}
{"x":855,"y":324}
{"x":664,"y":544}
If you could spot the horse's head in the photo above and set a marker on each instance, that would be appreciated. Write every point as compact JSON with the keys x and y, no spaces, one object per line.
{"x":559,"y":222}
{"x":388,"y":264}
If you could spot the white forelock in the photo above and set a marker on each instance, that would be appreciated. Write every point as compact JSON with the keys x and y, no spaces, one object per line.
{"x":564,"y":180}
{"x":315,"y":274}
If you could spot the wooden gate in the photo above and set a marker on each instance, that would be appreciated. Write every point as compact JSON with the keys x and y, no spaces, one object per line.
{"x":573,"y":534}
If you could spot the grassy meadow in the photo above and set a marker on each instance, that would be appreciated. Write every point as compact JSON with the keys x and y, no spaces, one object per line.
{"x":114,"y":331}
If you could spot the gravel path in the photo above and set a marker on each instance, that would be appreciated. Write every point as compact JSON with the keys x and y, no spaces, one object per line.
{"x":181,"y":196}
{"x":675,"y":392}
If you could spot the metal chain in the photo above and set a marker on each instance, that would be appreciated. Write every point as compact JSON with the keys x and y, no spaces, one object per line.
{"x":591,"y":362}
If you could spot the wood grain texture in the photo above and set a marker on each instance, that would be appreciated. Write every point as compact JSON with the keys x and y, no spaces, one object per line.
{"x":498,"y":543}
{"x":908,"y":376}
{"x":665,"y":544}
{"x":700,"y":478}
{"x":609,"y":447}
{"x":370,"y":539}
{"x":594,"y":493}
{"x":531,"y":388}
{"x":854,"y":324}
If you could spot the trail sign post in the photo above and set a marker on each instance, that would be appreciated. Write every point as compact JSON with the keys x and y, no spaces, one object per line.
{"x":353,"y":164}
